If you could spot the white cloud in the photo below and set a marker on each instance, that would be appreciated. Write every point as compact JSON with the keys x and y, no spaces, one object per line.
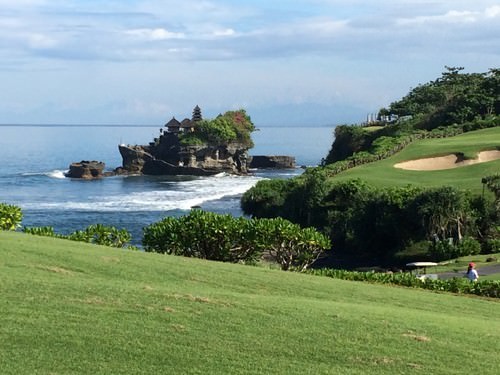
{"x":40,"y":41}
{"x":154,"y":34}
{"x":453,"y":16}
{"x":493,"y":12}
{"x":224,"y":32}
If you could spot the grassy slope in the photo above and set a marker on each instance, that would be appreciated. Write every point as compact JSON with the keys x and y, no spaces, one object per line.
{"x":68,"y":307}
{"x":383,"y":173}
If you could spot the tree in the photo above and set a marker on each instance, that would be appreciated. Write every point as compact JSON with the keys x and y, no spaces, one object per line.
{"x":444,"y":213}
{"x":267,"y":198}
{"x":232,"y":126}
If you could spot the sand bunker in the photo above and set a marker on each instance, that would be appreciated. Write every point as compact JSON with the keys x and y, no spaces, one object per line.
{"x":447,"y":162}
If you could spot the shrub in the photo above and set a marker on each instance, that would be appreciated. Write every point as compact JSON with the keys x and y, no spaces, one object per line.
{"x":292,"y":247}
{"x":224,"y":238}
{"x":468,"y":246}
{"x":199,"y":234}
{"x":97,"y":234}
{"x":441,"y":250}
{"x":491,"y":246}
{"x":102,"y":235}
{"x":41,"y":231}
{"x":10,"y":217}
{"x":266,"y":198}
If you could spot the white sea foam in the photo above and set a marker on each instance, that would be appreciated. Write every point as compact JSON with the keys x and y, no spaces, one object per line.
{"x":56,"y":174}
{"x":52,"y":174}
{"x":180,"y":195}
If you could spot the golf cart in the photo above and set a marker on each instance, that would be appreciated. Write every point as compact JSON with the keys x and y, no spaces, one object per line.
{"x":420,"y":269}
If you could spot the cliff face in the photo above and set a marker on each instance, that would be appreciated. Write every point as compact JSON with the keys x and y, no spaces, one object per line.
{"x":166,"y":156}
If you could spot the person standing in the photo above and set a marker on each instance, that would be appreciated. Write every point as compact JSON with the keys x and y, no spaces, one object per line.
{"x":472,"y":273}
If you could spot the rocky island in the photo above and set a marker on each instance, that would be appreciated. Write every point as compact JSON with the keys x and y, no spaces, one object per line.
{"x":192,"y":146}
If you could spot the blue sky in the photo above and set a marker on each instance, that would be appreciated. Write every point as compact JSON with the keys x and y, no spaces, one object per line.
{"x":316,"y":62}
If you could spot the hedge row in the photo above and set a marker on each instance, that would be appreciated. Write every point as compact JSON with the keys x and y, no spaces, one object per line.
{"x":484,"y":288}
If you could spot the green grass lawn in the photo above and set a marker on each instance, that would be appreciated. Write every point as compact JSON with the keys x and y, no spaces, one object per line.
{"x":383,"y":173}
{"x":69,"y":307}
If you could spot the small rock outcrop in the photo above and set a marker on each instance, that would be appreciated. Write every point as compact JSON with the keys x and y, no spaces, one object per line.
{"x":272,"y":162}
{"x":87,"y":170}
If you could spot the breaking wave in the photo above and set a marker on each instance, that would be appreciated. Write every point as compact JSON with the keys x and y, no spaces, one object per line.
{"x":165,"y":196}
{"x":57,"y":173}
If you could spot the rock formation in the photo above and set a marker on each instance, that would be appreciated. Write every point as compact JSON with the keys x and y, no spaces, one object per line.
{"x":87,"y":170}
{"x":272,"y":162}
{"x":166,"y":156}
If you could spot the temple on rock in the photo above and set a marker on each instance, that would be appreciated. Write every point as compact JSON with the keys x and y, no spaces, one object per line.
{"x":185,"y":126}
{"x":167,"y":155}
{"x":170,"y":154}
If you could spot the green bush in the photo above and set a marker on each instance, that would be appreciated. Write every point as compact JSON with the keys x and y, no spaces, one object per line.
{"x":102,"y":235}
{"x":468,"y":246}
{"x":232,"y":126}
{"x":266,"y":198}
{"x":97,"y":234}
{"x":199,"y":234}
{"x":10,"y":217}
{"x":224,"y":238}
{"x":41,"y":231}
{"x":446,"y":249}
{"x":491,"y":246}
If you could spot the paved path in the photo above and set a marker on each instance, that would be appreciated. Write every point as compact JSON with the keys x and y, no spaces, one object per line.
{"x":482,"y":271}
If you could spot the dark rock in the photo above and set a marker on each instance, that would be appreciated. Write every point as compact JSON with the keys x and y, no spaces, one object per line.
{"x":272,"y":161}
{"x":87,"y":170}
{"x":169,"y":157}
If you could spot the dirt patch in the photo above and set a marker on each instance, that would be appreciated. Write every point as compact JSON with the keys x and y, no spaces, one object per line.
{"x":420,"y":338}
{"x":108,"y":259}
{"x":55,"y":269}
{"x":447,"y":162}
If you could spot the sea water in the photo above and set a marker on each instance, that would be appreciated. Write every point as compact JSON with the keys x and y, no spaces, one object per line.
{"x":35,"y":158}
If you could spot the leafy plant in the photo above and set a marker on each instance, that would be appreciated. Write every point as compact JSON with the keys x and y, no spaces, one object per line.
{"x":232,"y":126}
{"x":10,"y":216}
{"x":97,"y":234}
{"x":289,"y":245}
{"x":41,"y":231}
{"x":102,"y":235}
{"x":213,"y":236}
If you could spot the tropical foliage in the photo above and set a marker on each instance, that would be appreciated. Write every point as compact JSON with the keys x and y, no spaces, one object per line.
{"x":361,"y":219}
{"x":454,"y":98}
{"x":232,"y":126}
{"x":98,"y":234}
{"x":225,"y":238}
{"x":10,"y":216}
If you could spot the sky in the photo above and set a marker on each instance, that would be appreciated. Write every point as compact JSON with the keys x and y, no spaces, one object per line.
{"x":301,"y":63}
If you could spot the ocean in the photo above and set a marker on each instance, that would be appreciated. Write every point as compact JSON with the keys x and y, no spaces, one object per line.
{"x":34,"y":159}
